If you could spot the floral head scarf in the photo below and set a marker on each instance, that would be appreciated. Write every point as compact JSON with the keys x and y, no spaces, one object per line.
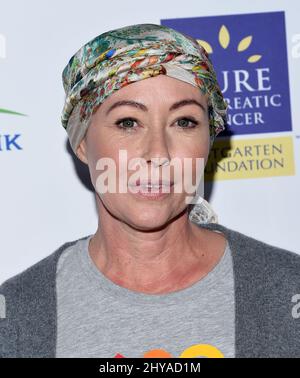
{"x":123,"y":56}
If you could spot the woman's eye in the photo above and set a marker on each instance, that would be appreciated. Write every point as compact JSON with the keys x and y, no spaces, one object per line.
{"x":126,"y":123}
{"x":186,"y":123}
{"x":129,"y":123}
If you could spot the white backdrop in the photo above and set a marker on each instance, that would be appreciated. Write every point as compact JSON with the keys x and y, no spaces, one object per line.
{"x":44,"y":202}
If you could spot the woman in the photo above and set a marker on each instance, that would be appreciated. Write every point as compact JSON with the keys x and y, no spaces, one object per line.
{"x":160,"y":277}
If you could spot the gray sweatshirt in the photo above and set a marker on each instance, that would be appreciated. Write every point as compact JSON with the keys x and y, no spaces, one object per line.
{"x":267,"y":302}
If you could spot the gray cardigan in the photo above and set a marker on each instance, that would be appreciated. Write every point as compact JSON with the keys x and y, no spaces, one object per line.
{"x":266,"y":278}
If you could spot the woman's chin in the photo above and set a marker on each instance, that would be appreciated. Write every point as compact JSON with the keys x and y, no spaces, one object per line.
{"x":150,"y":219}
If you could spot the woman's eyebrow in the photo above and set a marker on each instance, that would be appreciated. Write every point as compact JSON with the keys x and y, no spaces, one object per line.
{"x":143,"y":107}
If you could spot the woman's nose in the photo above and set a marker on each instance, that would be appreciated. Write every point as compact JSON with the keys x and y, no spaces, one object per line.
{"x":157,"y":148}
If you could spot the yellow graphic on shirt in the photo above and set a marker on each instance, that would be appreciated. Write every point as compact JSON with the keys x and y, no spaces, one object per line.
{"x":201,"y":350}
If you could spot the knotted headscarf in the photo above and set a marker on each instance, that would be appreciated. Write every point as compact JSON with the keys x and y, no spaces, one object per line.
{"x":122,"y":56}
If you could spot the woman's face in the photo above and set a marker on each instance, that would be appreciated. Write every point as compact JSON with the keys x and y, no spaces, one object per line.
{"x":152,"y":128}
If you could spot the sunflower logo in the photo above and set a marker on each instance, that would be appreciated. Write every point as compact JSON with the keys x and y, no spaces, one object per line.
{"x":224,"y":40}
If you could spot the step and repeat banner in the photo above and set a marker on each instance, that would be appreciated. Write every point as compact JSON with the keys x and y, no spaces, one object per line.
{"x":252,"y":176}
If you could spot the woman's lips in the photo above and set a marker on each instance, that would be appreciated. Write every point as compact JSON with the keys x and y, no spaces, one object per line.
{"x":153,"y":182}
{"x":152,"y":190}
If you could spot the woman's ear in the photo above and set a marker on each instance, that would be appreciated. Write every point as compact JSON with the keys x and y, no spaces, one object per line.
{"x":81,"y":151}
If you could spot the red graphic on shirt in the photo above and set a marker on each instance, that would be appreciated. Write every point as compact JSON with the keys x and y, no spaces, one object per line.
{"x":118,"y":355}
